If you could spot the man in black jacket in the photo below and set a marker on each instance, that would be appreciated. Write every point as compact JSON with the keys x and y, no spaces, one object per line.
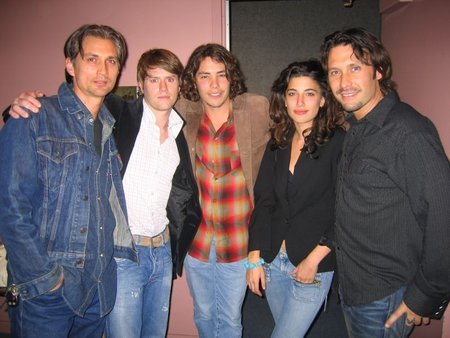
{"x":155,"y":164}
{"x":156,"y":173}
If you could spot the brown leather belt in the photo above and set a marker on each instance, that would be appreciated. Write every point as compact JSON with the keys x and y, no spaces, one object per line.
{"x":153,"y":242}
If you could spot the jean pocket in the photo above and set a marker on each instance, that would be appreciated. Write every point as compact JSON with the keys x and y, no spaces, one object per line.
{"x":306,"y":292}
{"x":124,"y":264}
{"x":50,"y":297}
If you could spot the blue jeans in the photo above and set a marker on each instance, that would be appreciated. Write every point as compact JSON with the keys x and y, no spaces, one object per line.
{"x":143,"y":295}
{"x":48,"y":315}
{"x":367,"y":320}
{"x":218,"y":290}
{"x":294,"y":305}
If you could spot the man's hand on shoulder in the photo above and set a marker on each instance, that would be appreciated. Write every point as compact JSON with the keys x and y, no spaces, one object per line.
{"x":25,"y":100}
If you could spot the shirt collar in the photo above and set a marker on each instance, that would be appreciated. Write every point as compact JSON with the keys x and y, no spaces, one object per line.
{"x":379,"y":113}
{"x":175,"y":120}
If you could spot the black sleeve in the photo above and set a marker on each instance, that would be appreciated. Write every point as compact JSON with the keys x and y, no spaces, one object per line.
{"x":5,"y":114}
{"x":337,"y":141}
{"x":259,"y":228}
{"x":427,"y":184}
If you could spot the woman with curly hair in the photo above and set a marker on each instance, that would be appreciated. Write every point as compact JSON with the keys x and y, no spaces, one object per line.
{"x":291,"y":227}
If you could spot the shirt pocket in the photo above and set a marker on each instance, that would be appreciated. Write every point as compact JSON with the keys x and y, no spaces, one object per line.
{"x":57,"y":157}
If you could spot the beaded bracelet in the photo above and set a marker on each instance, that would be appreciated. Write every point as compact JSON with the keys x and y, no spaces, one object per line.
{"x":253,"y":265}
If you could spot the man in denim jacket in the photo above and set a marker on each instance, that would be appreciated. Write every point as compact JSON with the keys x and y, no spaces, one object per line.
{"x":61,"y":198}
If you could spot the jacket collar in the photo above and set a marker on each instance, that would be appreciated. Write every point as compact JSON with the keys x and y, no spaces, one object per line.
{"x":69,"y":102}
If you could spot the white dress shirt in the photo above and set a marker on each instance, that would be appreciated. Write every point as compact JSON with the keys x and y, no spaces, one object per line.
{"x":148,"y":177}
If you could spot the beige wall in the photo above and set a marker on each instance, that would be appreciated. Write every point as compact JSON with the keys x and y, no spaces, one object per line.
{"x":416,"y":33}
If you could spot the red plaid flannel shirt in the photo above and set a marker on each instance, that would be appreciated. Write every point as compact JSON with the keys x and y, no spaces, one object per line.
{"x":226,"y":203}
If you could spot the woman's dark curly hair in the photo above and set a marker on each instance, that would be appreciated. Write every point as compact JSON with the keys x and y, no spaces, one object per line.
{"x":325,"y":123}
{"x":219,"y":54}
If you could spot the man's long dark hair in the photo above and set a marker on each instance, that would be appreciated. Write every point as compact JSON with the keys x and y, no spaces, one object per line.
{"x":367,"y":48}
{"x":219,"y":54}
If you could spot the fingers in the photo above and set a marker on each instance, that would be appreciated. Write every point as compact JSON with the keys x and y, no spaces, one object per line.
{"x":16,"y":111}
{"x":254,"y":278}
{"x":254,"y":287}
{"x":409,"y":321}
{"x":26,"y":100}
{"x":58,"y":285}
{"x":395,"y":316}
{"x":38,"y":93}
{"x":425,"y":320}
{"x":305,"y":280}
{"x":302,"y":277}
{"x":263,"y":282}
{"x":411,"y":318}
{"x":416,"y":320}
{"x":29,"y":100}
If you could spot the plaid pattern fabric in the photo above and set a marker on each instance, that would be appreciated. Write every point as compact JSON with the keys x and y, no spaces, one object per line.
{"x":226,"y":203}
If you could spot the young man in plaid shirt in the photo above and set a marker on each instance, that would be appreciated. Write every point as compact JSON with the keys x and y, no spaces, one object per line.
{"x":226,"y":131}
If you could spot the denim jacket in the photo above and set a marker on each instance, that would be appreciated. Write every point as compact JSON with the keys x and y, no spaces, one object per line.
{"x":59,"y":199}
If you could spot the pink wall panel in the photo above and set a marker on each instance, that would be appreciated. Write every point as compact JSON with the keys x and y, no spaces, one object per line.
{"x":33,"y":32}
{"x":417,"y":37}
{"x":416,"y":33}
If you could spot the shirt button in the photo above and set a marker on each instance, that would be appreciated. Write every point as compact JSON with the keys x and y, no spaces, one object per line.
{"x":83,"y":230}
{"x":101,"y":255}
{"x":85,"y":197}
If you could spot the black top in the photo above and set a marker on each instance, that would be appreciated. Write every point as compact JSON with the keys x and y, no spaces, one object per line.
{"x":393,"y":209}
{"x":300,"y":209}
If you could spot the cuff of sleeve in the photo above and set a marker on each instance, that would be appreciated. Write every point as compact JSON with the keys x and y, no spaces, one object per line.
{"x":40,"y":285}
{"x":325,"y":241}
{"x":423,"y":304}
